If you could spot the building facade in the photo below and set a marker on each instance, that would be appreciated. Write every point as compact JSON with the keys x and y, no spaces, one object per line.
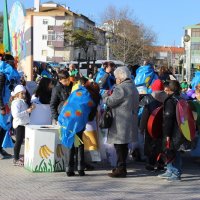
{"x":48,"y":33}
{"x":169,"y":56}
{"x":191,"y":43}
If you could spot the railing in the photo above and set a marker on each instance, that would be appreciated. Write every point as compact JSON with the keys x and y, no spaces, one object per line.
{"x":56,"y":28}
{"x":55,"y":43}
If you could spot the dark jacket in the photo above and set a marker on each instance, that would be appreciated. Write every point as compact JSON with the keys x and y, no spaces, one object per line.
{"x":59,"y":95}
{"x":150,"y":104}
{"x":170,"y":124}
{"x":152,"y":147}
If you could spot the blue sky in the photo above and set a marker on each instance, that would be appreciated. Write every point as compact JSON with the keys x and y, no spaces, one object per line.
{"x":167,"y":18}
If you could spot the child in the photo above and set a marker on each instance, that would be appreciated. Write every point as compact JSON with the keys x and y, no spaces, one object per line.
{"x":59,"y":95}
{"x":20,"y":113}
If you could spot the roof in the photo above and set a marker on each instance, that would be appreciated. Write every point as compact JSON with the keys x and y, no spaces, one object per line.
{"x":59,"y":8}
{"x":171,"y":49}
{"x":49,"y":2}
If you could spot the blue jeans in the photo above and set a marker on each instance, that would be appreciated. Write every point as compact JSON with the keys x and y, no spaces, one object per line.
{"x":175,"y":166}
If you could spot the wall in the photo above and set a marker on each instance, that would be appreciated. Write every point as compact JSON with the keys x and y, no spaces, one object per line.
{"x":39,"y":44}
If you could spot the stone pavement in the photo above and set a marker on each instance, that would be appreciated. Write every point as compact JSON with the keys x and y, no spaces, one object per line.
{"x":19,"y":184}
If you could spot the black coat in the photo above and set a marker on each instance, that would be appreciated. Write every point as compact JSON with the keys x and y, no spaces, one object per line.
{"x":152,"y":147}
{"x":170,"y":124}
{"x":59,"y":95}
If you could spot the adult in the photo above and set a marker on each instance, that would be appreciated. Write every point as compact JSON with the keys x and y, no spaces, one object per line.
{"x":72,"y":70}
{"x":9,"y":77}
{"x":43,"y":91}
{"x":124,"y":102}
{"x":105,"y":78}
{"x":41,"y":115}
{"x":44,"y":71}
{"x":164,"y":74}
{"x":73,"y":119}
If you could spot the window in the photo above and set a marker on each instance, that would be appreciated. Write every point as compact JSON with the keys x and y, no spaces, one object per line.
{"x":79,"y":23}
{"x":196,"y":32}
{"x":44,"y":37}
{"x":195,"y":46}
{"x":45,"y":21}
{"x":51,"y":36}
{"x":44,"y":52}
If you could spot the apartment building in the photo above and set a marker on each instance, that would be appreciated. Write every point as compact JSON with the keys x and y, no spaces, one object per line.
{"x":166,"y":55}
{"x":48,"y":33}
{"x":191,"y":43}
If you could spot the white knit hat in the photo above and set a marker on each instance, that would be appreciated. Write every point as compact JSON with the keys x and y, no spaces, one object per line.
{"x":18,"y":88}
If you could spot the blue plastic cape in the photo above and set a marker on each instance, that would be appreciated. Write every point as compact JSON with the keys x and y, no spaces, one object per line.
{"x":11,"y":74}
{"x":195,"y":80}
{"x":145,"y":75}
{"x":7,"y":141}
{"x":110,"y":81}
{"x":74,"y":115}
{"x":46,"y":74}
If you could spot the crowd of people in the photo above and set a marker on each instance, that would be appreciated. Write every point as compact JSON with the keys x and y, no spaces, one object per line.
{"x":107,"y":87}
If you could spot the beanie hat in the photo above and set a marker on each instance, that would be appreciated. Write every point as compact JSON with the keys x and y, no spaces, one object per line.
{"x":184,"y":85}
{"x":157,"y":85}
{"x":18,"y":88}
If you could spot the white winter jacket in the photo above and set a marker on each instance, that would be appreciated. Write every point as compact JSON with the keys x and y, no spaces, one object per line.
{"x":19,"y":113}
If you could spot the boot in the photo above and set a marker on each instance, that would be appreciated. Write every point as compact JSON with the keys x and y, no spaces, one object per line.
{"x":113,"y":170}
{"x":118,"y":173}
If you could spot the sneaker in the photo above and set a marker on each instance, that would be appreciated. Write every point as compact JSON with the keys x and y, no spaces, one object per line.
{"x":166,"y":175}
{"x":173,"y":177}
{"x":113,"y":170}
{"x":118,"y":173}
{"x":18,"y":162}
{"x":4,"y":154}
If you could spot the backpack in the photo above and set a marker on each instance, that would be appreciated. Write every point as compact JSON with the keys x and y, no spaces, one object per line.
{"x":154,"y":124}
{"x":185,"y":119}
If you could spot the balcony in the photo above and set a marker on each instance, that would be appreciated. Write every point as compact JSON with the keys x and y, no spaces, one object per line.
{"x":58,"y":44}
{"x":56,"y":28}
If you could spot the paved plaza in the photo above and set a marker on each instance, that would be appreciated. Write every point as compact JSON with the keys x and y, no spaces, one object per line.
{"x":18,"y":184}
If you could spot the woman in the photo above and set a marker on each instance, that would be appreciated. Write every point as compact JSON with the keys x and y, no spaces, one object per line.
{"x":42,"y":113}
{"x":43,"y":92}
{"x":124,"y":102}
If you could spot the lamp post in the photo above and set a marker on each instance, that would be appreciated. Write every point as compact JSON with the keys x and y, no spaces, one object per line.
{"x":170,"y":58}
{"x":108,"y":36}
{"x":188,"y":56}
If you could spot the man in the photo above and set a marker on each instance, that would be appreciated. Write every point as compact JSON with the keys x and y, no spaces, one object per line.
{"x":7,"y":82}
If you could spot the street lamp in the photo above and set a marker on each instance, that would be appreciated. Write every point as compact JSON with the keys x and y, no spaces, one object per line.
{"x":108,"y":36}
{"x":186,"y":39}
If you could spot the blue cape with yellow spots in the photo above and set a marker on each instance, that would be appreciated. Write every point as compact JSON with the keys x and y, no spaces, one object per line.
{"x":74,"y":115}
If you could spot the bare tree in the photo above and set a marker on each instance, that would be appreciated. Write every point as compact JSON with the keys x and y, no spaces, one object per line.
{"x":130,"y":38}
